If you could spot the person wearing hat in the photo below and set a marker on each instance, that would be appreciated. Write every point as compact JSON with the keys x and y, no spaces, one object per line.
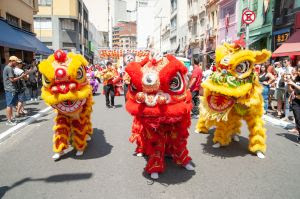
{"x":20,"y":88}
{"x":9,"y":83}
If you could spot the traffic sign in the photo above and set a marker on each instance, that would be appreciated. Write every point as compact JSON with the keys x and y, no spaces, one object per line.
{"x":248,"y":17}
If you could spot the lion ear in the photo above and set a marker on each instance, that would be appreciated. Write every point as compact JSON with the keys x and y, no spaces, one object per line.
{"x":262,"y":56}
{"x":144,"y":61}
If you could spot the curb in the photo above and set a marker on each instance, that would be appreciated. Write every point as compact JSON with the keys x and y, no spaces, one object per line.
{"x":278,"y":122}
{"x":8,"y":133}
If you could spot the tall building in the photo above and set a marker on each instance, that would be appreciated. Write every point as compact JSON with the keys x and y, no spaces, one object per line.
{"x":63,"y":24}
{"x":198,"y":27}
{"x":124,"y":35}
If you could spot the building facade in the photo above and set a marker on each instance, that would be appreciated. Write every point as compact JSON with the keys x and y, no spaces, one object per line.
{"x":227,"y":21}
{"x":63,"y":24}
{"x":124,"y":35}
{"x":260,"y":31}
{"x":284,"y":21}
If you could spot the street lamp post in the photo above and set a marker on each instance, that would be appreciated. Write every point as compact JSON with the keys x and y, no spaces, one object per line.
{"x":160,"y":25}
{"x":247,"y":28}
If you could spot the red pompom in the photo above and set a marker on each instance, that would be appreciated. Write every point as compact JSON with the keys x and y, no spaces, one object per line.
{"x":60,"y":56}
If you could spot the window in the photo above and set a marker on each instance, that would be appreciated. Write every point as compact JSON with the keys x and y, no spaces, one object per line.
{"x":173,"y":5}
{"x":12,"y":20}
{"x":26,"y":26}
{"x":42,"y":23}
{"x":47,"y":43}
{"x":173,"y":23}
{"x":67,"y":24}
{"x":127,"y":46}
{"x":45,"y":2}
{"x":69,"y":45}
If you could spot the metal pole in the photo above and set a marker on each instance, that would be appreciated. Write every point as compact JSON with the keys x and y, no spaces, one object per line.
{"x":82,"y":28}
{"x":109,"y":25}
{"x":160,"y":34}
{"x":247,"y":29}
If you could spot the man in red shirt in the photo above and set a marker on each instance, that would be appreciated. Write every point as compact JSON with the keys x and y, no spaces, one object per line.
{"x":195,"y":86}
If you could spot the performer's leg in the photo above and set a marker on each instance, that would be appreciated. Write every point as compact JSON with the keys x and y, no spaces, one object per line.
{"x":137,"y":136}
{"x":156,"y":163}
{"x":180,"y":153}
{"x":79,"y":135}
{"x":62,"y":135}
{"x":201,"y":125}
{"x":257,"y":137}
{"x":106,"y":93}
{"x":112,"y":95}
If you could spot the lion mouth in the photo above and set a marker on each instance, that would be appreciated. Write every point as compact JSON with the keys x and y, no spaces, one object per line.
{"x":219,"y":102}
{"x":69,"y":106}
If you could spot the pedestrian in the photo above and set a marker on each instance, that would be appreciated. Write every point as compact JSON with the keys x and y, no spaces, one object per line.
{"x":20,"y":88}
{"x":294,"y":86}
{"x":33,"y":83}
{"x":207,"y":72}
{"x":265,"y":78}
{"x":195,"y":86}
{"x":109,"y":89}
{"x":9,"y":81}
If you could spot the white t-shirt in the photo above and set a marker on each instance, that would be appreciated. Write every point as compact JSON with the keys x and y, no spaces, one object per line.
{"x":18,"y":71}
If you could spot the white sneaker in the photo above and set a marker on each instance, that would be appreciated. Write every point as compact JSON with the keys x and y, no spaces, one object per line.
{"x":189,"y":167}
{"x":154,"y":175}
{"x":88,"y":138}
{"x":31,"y":99}
{"x":236,"y":138}
{"x":139,"y":154}
{"x":217,"y":145}
{"x":79,"y":153}
{"x":260,"y":155}
{"x":10,"y":123}
{"x":57,"y":155}
{"x":35,"y":99}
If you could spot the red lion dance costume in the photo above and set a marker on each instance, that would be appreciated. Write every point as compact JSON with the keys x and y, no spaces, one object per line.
{"x":160,"y":103}
{"x":67,"y":90}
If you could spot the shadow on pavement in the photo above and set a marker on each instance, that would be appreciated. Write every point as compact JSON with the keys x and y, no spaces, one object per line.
{"x":234,"y":149}
{"x":96,"y":148}
{"x":119,"y":106}
{"x":289,"y":136}
{"x":174,"y":174}
{"x":51,"y":179}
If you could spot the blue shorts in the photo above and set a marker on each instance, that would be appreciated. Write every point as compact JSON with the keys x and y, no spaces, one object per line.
{"x":11,"y":99}
{"x":21,"y":96}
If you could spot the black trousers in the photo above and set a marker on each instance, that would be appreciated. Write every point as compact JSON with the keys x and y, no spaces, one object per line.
{"x":109,"y":90}
{"x":125,"y":88}
{"x":196,"y":102}
{"x":296,"y":112}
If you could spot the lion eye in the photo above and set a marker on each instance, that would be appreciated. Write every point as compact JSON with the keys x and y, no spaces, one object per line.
{"x":242,"y":67}
{"x":80,"y":73}
{"x":176,"y":84}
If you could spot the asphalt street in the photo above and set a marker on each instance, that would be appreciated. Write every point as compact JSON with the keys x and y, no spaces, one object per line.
{"x":108,"y":168}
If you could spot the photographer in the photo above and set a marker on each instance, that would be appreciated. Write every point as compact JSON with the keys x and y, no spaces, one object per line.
{"x":294,"y":87}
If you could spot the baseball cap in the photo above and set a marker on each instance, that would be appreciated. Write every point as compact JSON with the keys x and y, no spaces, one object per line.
{"x":13,"y":58}
{"x":19,"y":61}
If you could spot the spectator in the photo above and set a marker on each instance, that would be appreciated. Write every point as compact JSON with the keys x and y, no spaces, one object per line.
{"x":109,"y":89}
{"x":280,"y":87}
{"x":20,"y":88}
{"x":288,"y":67}
{"x":207,"y":72}
{"x":195,"y":87}
{"x":265,"y":78}
{"x":294,"y":86}
{"x":9,"y":81}
{"x":32,"y":83}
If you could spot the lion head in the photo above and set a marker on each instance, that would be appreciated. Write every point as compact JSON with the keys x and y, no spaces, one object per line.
{"x":65,"y":84}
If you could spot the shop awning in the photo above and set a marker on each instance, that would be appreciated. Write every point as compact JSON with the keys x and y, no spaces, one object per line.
{"x":254,"y":39}
{"x":291,"y":47}
{"x":40,"y":48}
{"x":15,"y":38}
{"x":11,"y":38}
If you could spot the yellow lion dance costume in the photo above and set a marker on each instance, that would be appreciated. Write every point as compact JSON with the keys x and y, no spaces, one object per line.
{"x":233,"y":93}
{"x":66,"y":89}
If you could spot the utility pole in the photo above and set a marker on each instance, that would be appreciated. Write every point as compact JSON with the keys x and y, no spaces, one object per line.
{"x":161,"y":18}
{"x":82,"y":28}
{"x":109,"y":25}
{"x":247,"y":28}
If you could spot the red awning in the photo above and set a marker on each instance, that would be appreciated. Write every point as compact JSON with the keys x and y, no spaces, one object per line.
{"x":289,"y":48}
